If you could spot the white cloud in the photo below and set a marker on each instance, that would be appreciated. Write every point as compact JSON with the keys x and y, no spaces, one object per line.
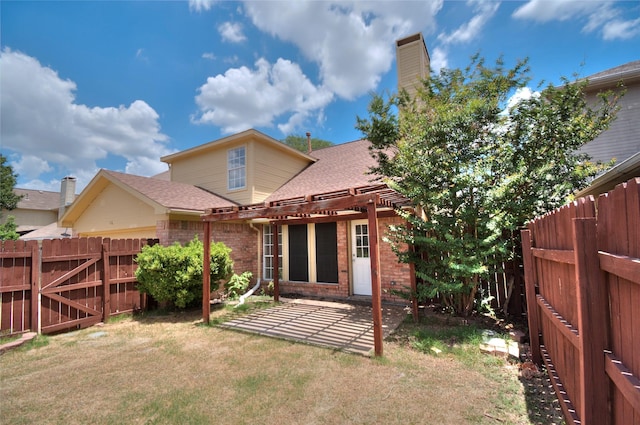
{"x":42,"y":124}
{"x":623,"y":30}
{"x":521,"y":94}
{"x":200,"y":5}
{"x":243,"y":98}
{"x":550,"y":10}
{"x":600,"y":16}
{"x":30,"y":167}
{"x":351,"y":41}
{"x":484,"y":11}
{"x":208,"y":55}
{"x":438,"y":59}
{"x":231,"y":32}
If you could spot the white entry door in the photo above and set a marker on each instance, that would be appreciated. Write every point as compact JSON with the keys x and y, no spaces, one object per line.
{"x":360,"y":257}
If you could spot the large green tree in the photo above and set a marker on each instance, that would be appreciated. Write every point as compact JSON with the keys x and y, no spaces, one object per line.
{"x":300,"y":143}
{"x":477,"y":167}
{"x":8,"y":199}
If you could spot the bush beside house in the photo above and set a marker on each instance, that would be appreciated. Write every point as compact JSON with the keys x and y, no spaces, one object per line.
{"x":173,"y":274}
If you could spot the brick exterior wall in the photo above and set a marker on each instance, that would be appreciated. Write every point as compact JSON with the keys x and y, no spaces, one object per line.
{"x":393,"y":274}
{"x":241,"y":238}
{"x":244,"y":243}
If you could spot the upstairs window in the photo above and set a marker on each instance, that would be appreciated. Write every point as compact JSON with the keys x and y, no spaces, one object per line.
{"x":236,"y":168}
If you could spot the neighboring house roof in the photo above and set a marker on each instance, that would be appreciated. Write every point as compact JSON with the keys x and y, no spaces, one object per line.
{"x":620,"y":173}
{"x":52,"y":231}
{"x":38,"y":199}
{"x":337,"y":167}
{"x":628,"y":73}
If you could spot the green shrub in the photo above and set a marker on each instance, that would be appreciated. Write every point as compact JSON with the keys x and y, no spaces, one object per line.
{"x":174,"y":273}
{"x":237,"y":285}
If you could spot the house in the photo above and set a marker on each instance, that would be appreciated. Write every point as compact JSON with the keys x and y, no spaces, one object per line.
{"x":622,"y":140}
{"x":37,"y":212}
{"x":318,"y":257}
{"x":324,"y":253}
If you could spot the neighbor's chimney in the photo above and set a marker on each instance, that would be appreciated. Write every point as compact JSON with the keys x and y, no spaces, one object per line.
{"x":308,"y":143}
{"x":67,"y":194}
{"x":412,"y":61}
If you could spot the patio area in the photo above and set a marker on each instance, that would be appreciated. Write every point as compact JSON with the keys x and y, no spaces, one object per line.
{"x":340,"y":326}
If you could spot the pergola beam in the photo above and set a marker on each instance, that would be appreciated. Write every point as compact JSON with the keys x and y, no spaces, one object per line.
{"x":350,"y":202}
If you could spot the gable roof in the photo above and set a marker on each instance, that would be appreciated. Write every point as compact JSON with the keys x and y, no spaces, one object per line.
{"x":38,"y":199}
{"x":171,"y":195}
{"x":244,"y":135}
{"x":338,"y":167}
{"x":163,"y":195}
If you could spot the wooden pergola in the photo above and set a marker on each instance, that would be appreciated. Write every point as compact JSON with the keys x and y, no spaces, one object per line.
{"x":369,"y":202}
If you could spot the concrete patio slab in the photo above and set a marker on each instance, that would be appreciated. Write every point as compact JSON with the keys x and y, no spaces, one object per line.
{"x":341,"y":326}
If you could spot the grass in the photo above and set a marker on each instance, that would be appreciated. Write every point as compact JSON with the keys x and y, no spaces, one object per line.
{"x":165,"y":369}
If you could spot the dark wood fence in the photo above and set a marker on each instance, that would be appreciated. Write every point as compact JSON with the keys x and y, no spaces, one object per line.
{"x":582,"y":273}
{"x":62,"y":284}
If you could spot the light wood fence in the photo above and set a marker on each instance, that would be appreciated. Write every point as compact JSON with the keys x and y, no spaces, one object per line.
{"x":582,"y":275}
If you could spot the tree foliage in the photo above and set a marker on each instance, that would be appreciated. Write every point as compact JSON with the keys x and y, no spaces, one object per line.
{"x":174,"y":273}
{"x":9,"y":230}
{"x":300,"y":143}
{"x":8,"y":199}
{"x":478,"y":167}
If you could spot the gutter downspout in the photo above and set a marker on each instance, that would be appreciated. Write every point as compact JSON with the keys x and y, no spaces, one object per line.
{"x":259,"y":279}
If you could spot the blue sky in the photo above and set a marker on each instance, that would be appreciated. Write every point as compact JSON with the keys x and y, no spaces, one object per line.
{"x":89,"y":85}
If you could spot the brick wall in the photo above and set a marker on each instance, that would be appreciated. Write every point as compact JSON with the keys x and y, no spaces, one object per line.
{"x":243,"y":241}
{"x":393,"y":275}
{"x":241,"y":238}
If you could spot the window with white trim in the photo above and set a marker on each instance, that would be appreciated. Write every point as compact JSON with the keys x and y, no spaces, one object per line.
{"x":267,"y":239}
{"x":236,"y":168}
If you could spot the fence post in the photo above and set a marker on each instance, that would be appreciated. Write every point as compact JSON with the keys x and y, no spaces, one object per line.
{"x":106,"y":278}
{"x":206,"y":274}
{"x":532,"y":302}
{"x":592,"y":300}
{"x":35,"y":287}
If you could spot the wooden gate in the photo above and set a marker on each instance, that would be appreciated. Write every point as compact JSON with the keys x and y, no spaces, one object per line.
{"x":71,"y":287}
{"x":62,"y":285}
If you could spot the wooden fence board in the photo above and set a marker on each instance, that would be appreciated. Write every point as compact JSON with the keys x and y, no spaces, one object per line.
{"x":68,"y":273}
{"x":597,"y":298}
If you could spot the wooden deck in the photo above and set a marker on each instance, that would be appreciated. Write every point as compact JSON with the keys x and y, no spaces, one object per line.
{"x":339,"y":326}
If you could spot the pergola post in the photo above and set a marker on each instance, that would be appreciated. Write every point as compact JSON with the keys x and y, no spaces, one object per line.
{"x":413,"y":281}
{"x":376,"y":295}
{"x":206,"y":274}
{"x":276,"y":264}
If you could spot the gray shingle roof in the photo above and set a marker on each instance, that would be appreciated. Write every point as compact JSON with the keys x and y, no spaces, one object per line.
{"x":38,"y":199}
{"x":338,"y":167}
{"x":172,"y":195}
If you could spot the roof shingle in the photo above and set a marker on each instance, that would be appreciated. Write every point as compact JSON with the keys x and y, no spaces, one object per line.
{"x":339,"y":167}
{"x":172,"y":195}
